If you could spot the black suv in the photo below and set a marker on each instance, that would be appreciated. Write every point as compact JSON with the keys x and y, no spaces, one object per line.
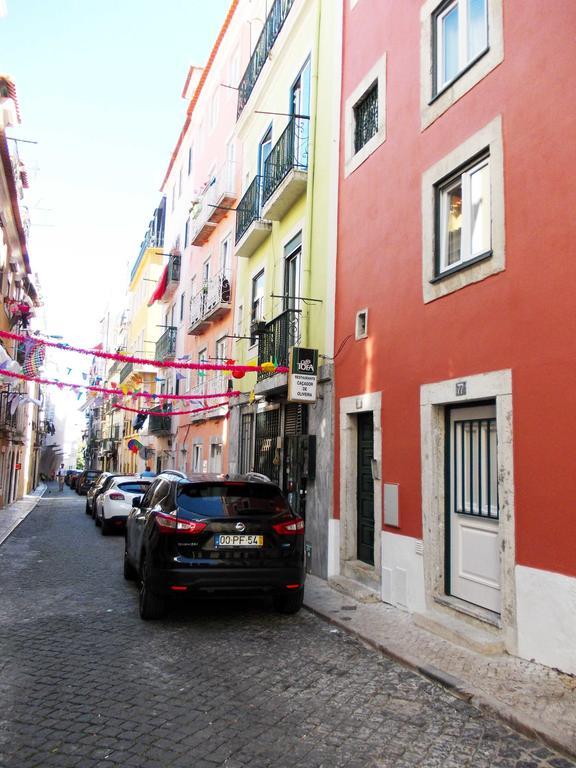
{"x":86,"y":480}
{"x":214,"y":536}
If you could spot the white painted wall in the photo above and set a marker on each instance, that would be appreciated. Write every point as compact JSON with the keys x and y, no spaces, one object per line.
{"x":402,"y":572}
{"x":546,"y":605}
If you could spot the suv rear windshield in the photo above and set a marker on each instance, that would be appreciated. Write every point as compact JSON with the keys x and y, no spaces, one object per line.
{"x":134,"y":487}
{"x":231,"y":499}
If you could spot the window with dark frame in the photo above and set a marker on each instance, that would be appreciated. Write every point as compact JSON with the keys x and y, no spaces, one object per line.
{"x":366,"y":117}
{"x":460,"y":34}
{"x":463,"y":217}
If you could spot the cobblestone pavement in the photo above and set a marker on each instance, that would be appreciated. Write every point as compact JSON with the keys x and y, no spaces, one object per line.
{"x":85,"y":683}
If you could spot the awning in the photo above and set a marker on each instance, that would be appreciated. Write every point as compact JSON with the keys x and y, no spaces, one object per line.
{"x":160,"y":289}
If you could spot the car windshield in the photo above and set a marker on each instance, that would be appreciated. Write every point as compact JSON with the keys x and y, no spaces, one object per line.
{"x":134,"y":487}
{"x":231,"y":499}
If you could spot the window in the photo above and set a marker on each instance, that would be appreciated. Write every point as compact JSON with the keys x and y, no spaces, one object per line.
{"x":197,"y":459}
{"x":366,"y":117}
{"x":221,"y":355}
{"x":361,"y":324}
{"x":182,"y":306}
{"x":239,"y":320}
{"x":463,"y":234}
{"x":202,"y":358}
{"x":461,"y":35}
{"x":173,"y":195}
{"x":225,"y":257}
{"x":179,"y":183}
{"x":216,"y":458}
{"x":462,"y":41}
{"x":463,"y":215}
{"x":186,"y":232}
{"x":257,"y":312}
{"x":190,"y":160}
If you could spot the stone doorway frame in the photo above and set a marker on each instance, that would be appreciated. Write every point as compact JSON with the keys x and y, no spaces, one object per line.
{"x":434,"y":398}
{"x":350,"y":566}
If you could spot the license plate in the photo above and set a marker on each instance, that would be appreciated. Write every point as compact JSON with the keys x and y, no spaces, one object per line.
{"x":238,"y":540}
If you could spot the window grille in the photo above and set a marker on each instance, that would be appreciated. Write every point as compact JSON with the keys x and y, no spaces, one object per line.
{"x":475,"y":468}
{"x":366,"y":117}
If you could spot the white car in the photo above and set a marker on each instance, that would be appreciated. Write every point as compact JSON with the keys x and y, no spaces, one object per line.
{"x":113,"y":506}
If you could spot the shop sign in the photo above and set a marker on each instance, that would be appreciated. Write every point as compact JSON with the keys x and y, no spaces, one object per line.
{"x":303,"y":376}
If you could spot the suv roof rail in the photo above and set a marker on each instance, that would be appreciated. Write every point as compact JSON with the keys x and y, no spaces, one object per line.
{"x":173,"y":472}
{"x":256,"y":476}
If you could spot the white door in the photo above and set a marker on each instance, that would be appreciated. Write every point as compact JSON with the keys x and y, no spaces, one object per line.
{"x":473,"y":491}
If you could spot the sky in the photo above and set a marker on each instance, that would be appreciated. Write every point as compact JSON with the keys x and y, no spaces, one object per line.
{"x":99,"y":85}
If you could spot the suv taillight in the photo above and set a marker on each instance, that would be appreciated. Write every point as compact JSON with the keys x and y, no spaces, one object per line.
{"x":172,"y":524}
{"x":117,"y":496}
{"x":290,"y":527}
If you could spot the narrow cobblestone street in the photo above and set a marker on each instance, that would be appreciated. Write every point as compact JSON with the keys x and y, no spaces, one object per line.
{"x":86,"y":683}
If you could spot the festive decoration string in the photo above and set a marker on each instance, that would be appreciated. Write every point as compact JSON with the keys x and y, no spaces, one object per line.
{"x":108,"y":391}
{"x":155,"y":363}
{"x":170,"y":413}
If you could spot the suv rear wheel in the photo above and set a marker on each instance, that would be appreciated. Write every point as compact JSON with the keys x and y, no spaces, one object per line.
{"x":150,"y":605}
{"x":290,"y":603}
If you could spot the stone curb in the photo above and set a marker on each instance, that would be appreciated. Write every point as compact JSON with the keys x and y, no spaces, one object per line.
{"x":455,"y":686}
{"x":21,"y":509}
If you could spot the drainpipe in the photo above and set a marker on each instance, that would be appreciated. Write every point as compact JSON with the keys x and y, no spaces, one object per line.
{"x":307,"y":265}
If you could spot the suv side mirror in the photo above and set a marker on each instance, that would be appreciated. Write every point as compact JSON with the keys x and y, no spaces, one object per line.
{"x":137,"y":502}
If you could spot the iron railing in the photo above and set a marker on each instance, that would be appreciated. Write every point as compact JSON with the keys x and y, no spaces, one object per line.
{"x":278,"y":336}
{"x":166,"y":344}
{"x":272,"y":26}
{"x":159,"y":425}
{"x":8,"y":419}
{"x":125,"y":372}
{"x":366,"y":118}
{"x":290,"y":151}
{"x":216,"y":292}
{"x":249,"y":207}
{"x":174,"y":268}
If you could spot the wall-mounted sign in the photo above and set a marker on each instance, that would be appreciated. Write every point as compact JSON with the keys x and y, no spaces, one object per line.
{"x":303,"y":376}
{"x":460,"y":388}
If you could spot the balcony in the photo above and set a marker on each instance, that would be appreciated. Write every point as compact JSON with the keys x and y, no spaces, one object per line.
{"x":272,"y":26}
{"x":125,"y":371}
{"x":251,"y":229}
{"x":209,"y":386}
{"x":159,"y":425}
{"x":286,"y":170}
{"x":276,"y":338}
{"x":166,"y":345}
{"x":8,"y":420}
{"x":173,"y":276}
{"x":211,"y":303}
{"x":213,"y":203}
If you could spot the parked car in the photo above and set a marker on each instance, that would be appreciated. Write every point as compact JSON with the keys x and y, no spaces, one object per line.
{"x":94,"y":490}
{"x":68,"y":475}
{"x":74,"y":479}
{"x":114,"y":502}
{"x":86,"y":479}
{"x":214,"y":536}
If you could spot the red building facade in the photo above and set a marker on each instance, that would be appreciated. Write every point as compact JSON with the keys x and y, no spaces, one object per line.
{"x":455,"y":416}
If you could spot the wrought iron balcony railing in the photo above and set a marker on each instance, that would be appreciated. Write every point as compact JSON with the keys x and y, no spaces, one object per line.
{"x":8,"y":418}
{"x":289,"y":152}
{"x":275,"y":340}
{"x":125,"y":372}
{"x":213,"y":300}
{"x":159,"y":425}
{"x":272,"y":26}
{"x":174,"y":268}
{"x":249,"y":207}
{"x":166,"y":344}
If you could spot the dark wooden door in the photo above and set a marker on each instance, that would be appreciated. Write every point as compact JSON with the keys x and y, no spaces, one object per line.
{"x":365,"y":489}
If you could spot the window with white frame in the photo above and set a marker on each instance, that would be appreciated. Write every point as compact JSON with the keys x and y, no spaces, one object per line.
{"x":239,"y":322}
{"x":461,"y":42}
{"x":464,"y":216}
{"x":202,"y":358}
{"x":463,"y":232}
{"x":216,"y":458}
{"x":460,"y":35}
{"x":197,"y":458}
{"x":190,"y":155}
{"x":257,"y":311}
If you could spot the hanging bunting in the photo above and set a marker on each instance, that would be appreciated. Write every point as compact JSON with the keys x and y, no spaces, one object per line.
{"x":169,"y":413}
{"x":97,"y":352}
{"x":104,"y":390}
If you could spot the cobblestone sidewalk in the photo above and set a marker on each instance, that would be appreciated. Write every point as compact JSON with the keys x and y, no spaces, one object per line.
{"x":535,"y":699}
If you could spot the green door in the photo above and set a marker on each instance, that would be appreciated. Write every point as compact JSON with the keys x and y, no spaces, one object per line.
{"x":365,"y":489}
